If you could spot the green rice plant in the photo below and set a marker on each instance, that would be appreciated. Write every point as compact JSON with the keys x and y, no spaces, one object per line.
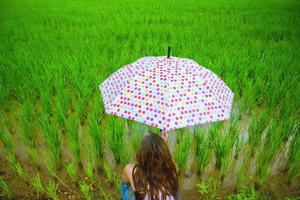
{"x":51,"y":190}
{"x":240,"y":143}
{"x":16,"y":166}
{"x":27,"y":119}
{"x":293,"y":162}
{"x":270,"y":147}
{"x":33,"y":154}
{"x":96,"y":134}
{"x":5,"y":191}
{"x":222,"y":147}
{"x":108,"y":173}
{"x":214,"y":132}
{"x":7,"y":140}
{"x":247,"y":193}
{"x":89,"y":168}
{"x":51,"y":134}
{"x":203,"y":151}
{"x":202,"y":188}
{"x":73,"y":138}
{"x":51,"y":166}
{"x":182,"y":149}
{"x":37,"y":184}
{"x":116,"y":139}
{"x":209,"y":189}
{"x":45,"y":98}
{"x":71,"y":169}
{"x":85,"y":190}
{"x":256,"y":128}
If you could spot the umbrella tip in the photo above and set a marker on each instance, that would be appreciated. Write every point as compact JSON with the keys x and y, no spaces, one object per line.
{"x":169,"y":51}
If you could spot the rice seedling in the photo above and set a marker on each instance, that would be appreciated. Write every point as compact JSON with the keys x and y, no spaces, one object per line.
{"x":222,"y":147}
{"x":209,"y":189}
{"x":202,"y":188}
{"x":73,"y":139}
{"x":182,"y":149}
{"x":256,"y":128}
{"x":7,"y":140}
{"x":116,"y":139}
{"x":294,"y":158}
{"x":240,"y":142}
{"x":270,"y":147}
{"x":33,"y":154}
{"x":16,"y":166}
{"x":51,"y":134}
{"x":203,"y":151}
{"x":71,"y":169}
{"x":51,"y":190}
{"x":96,"y":134}
{"x":108,"y":173}
{"x":248,"y":193}
{"x":85,"y":190}
{"x":37,"y":184}
{"x":50,"y":165}
{"x":5,"y":191}
{"x":89,"y":168}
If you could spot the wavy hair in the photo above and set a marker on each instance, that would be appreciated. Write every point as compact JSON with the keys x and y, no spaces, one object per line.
{"x":155,"y":174}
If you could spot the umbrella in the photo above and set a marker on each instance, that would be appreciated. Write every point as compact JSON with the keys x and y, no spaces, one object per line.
{"x":167,"y":93}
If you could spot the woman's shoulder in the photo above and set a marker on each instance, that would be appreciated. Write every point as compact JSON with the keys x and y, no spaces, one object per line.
{"x":129,"y":168}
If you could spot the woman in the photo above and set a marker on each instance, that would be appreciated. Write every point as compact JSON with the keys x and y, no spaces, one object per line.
{"x":155,"y":175}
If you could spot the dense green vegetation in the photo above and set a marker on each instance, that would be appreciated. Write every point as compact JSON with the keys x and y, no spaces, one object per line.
{"x":54,"y":55}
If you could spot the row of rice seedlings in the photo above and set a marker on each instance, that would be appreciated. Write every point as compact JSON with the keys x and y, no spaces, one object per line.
{"x":256,"y":128}
{"x":293,"y":162}
{"x":270,"y":147}
{"x":51,"y":135}
{"x":203,"y":149}
{"x":116,"y":134}
{"x":5,"y":191}
{"x":182,"y":149}
{"x":72,"y":125}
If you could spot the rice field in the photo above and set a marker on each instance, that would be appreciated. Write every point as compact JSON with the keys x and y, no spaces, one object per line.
{"x":58,"y":143}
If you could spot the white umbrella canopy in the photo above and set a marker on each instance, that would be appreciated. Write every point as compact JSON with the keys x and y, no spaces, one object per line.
{"x":167,"y":93}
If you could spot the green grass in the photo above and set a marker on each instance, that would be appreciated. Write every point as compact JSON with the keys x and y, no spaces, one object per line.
{"x":54,"y":54}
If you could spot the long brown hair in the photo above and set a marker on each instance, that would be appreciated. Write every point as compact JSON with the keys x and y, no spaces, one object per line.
{"x":155,"y":172}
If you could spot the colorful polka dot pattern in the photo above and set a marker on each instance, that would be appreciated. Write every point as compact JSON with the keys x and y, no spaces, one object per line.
{"x":167,"y":93}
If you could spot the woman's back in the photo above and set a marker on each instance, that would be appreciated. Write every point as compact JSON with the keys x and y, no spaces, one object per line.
{"x":141,"y":195}
{"x":155,"y":174}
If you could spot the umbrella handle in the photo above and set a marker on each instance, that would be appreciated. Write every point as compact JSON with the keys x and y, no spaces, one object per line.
{"x":169,"y":51}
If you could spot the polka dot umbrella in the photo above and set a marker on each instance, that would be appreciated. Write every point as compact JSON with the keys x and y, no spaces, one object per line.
{"x":167,"y":93}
